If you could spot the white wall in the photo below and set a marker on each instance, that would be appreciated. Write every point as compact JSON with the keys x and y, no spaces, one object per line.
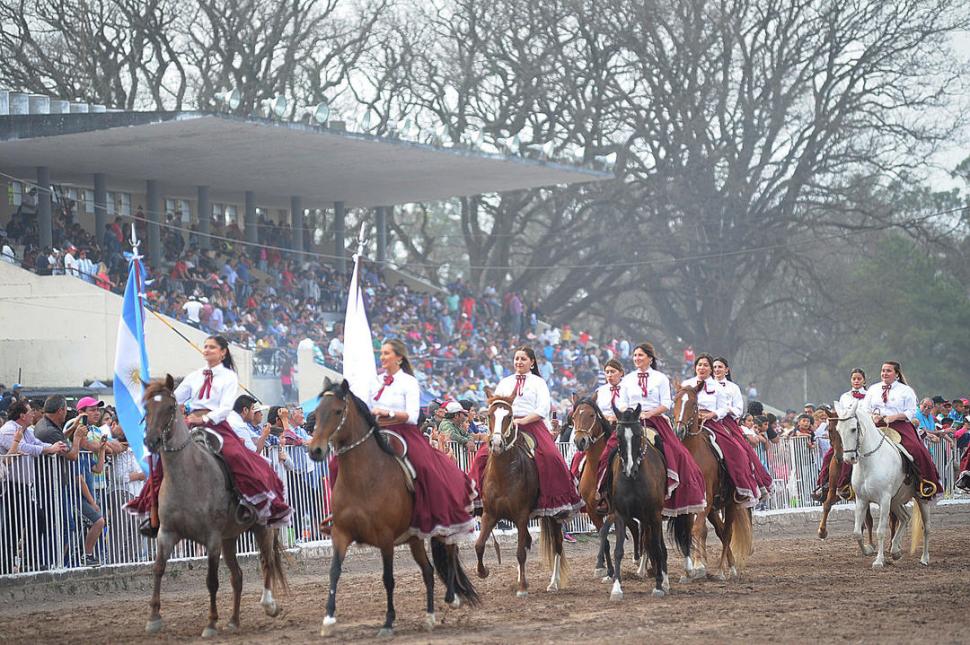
{"x":309,"y":374}
{"x":61,"y":331}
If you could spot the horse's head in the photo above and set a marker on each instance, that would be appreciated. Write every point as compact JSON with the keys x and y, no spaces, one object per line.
{"x":629,"y":434}
{"x":834,"y":438}
{"x":501,"y":430}
{"x":161,"y":410}
{"x":589,"y":426}
{"x":849,"y":428}
{"x":685,"y":412}
{"x":335,"y":412}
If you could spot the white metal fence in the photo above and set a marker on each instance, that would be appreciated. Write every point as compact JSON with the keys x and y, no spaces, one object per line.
{"x":43,"y":524}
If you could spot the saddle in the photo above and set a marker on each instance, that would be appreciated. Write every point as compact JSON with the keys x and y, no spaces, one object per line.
{"x":399,"y":445}
{"x":529,"y":444}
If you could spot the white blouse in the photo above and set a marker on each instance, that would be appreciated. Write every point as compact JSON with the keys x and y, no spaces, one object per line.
{"x":534,"y":398}
{"x":658,"y":391}
{"x":219,"y":401}
{"x":901,"y":400}
{"x":707,"y":397}
{"x":604,"y":399}
{"x":402,"y":395}
{"x":846,"y":400}
{"x":729,"y":400}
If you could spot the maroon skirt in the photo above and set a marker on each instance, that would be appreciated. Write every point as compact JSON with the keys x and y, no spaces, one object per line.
{"x":965,"y":461}
{"x":845,"y":471}
{"x":577,"y":464}
{"x":255,"y":480}
{"x":757,"y":468}
{"x":736,"y":461}
{"x":611,"y":443}
{"x":686,"y":490}
{"x":921,"y":455}
{"x":557,"y":488}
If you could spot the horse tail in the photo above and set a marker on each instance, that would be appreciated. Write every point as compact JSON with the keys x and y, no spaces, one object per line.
{"x":548,"y":528}
{"x":448,"y":565}
{"x":679,"y":529}
{"x":742,"y":534}
{"x":916,"y":529}
{"x":274,"y":564}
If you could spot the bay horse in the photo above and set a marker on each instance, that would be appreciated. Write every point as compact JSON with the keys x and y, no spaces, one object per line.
{"x":878,"y":476}
{"x":591,"y":431}
{"x":730,"y":519}
{"x":637,"y":496}
{"x":372,"y":505}
{"x":510,"y":491}
{"x":194,"y":503}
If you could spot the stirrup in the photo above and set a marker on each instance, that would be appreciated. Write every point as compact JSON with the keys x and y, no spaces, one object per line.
{"x":846,"y":492}
{"x":145,"y":528}
{"x":246,"y":513}
{"x":820,"y":493}
{"x":927,"y":489}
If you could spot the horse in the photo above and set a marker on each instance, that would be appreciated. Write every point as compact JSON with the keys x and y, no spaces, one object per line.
{"x":195,"y":503}
{"x":637,"y":496}
{"x":372,"y":505}
{"x":510,"y":491}
{"x":733,"y":528}
{"x":832,"y":495}
{"x":878,"y":476}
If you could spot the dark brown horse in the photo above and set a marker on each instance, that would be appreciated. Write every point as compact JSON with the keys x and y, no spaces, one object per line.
{"x":195,"y":504}
{"x":510,"y":491}
{"x":731,"y":520}
{"x":372,"y":505}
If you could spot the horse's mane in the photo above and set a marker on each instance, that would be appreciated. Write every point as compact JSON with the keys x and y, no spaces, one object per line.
{"x":599,"y":414}
{"x":337,"y":389}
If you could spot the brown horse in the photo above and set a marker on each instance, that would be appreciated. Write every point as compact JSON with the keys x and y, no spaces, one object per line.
{"x":832,"y":496}
{"x":195,"y":504}
{"x":372,"y":505}
{"x":731,"y":520}
{"x":510,"y":491}
{"x":591,"y":431}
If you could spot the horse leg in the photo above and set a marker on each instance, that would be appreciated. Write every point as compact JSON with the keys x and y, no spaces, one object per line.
{"x":724,"y":529}
{"x":235,"y":579}
{"x":521,"y":552}
{"x":604,"y":565}
{"x":556,"y":578}
{"x":884,"y":502}
{"x":658,"y":554}
{"x":340,"y":543}
{"x":699,"y":535}
{"x":212,"y":582}
{"x":616,"y":593}
{"x":823,"y":528}
{"x":387,"y":556}
{"x":164,"y":545}
{"x":861,"y":508}
{"x":871,"y":547}
{"x":924,"y":511}
{"x":488,"y":523}
{"x":420,"y":555}
{"x":895,"y":536}
{"x":266,"y":540}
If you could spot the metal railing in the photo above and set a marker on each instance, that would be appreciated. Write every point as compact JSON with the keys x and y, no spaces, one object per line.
{"x":43,"y":523}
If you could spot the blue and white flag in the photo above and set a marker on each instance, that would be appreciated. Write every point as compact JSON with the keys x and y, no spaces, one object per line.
{"x":131,"y":360}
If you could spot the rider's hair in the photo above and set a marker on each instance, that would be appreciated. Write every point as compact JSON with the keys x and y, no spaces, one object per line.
{"x":531,"y":354}
{"x":860,"y":372}
{"x":227,"y":361}
{"x":402,"y":351}
{"x":647,"y":348}
{"x":710,"y":360}
{"x":721,"y":359}
{"x":899,"y":371}
{"x":615,"y":364}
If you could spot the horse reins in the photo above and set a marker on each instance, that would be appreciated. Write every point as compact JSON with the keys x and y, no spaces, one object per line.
{"x":167,"y":431}
{"x":859,"y":440}
{"x":685,"y":424}
{"x":502,"y":434}
{"x":343,"y":420}
{"x":589,"y":432}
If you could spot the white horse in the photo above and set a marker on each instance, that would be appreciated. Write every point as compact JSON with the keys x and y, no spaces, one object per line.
{"x":878,"y":477}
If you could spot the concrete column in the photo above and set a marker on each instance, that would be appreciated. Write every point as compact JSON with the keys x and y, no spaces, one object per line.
{"x":153,"y":213}
{"x":296,"y":223}
{"x":339,"y":225}
{"x":382,"y":212}
{"x":251,"y":232}
{"x":204,"y":215}
{"x":100,"y":205}
{"x":45,"y":227}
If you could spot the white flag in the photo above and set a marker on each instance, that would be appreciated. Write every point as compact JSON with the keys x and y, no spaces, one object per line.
{"x":359,"y":368}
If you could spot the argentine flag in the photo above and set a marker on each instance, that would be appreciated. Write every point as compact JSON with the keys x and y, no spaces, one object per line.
{"x":131,"y":361}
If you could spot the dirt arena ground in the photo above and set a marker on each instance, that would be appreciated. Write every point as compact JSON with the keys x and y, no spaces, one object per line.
{"x":794,"y":590}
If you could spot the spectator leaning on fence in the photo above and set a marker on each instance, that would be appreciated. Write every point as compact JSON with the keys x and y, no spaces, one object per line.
{"x":90,"y":464}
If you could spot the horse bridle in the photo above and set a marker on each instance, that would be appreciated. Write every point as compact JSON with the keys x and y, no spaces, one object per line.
{"x":166,"y":432}
{"x":685,"y":424}
{"x":343,"y":420}
{"x":858,"y":441}
{"x":512,"y":426}
{"x":589,"y":431}
{"x":638,"y":457}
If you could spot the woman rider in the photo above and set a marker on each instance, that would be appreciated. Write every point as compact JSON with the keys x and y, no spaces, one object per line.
{"x":856,"y":393}
{"x":730,"y":405}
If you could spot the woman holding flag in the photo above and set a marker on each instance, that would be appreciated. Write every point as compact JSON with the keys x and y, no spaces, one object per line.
{"x":209,"y":394}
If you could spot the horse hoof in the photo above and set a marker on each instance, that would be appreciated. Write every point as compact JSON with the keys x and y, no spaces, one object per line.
{"x":878,"y":565}
{"x":272,"y":609}
{"x":429,"y":622}
{"x":209,"y":632}
{"x":735,"y":574}
{"x":552,"y":587}
{"x":699,"y":574}
{"x":720,"y":577}
{"x":822,"y":534}
{"x":616,"y":596}
{"x":232,"y":626}
{"x":599,"y":572}
{"x":385,"y":632}
{"x":659,"y":593}
{"x":153,"y":626}
{"x":925,"y":560}
{"x":684,"y":579}
{"x":482,"y":572}
{"x":329,"y":626}
{"x":456,"y":603}
{"x":868,"y":550}
{"x":607,"y":580}
{"x":896,"y":554}
{"x":521,"y":594}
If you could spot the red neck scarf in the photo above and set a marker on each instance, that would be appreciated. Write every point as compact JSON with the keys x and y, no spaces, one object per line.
{"x":885,"y":392}
{"x":206,"y":390}
{"x":388,"y":379}
{"x":856,"y":394}
{"x":519,"y":384}
{"x":642,"y":381}
{"x":615,"y":389}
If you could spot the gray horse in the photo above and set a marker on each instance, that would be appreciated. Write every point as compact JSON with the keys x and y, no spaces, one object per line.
{"x":194,"y":504}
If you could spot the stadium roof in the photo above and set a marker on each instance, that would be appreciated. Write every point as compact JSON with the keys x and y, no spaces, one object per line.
{"x":274,"y":159}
